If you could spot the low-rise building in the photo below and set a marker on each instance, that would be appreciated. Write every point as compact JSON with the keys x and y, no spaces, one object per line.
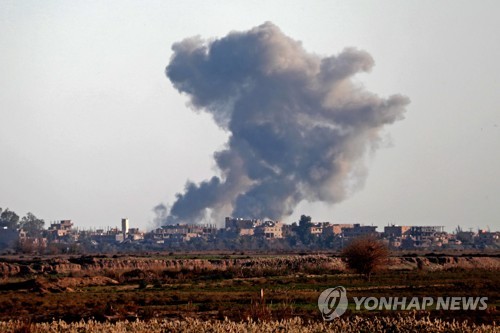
{"x":336,"y":228}
{"x":358,"y":230}
{"x":134,"y":234}
{"x":397,"y":231}
{"x":425,"y":237}
{"x":269,"y":230}
{"x":61,"y":229}
{"x":315,"y":229}
{"x":183,"y":232}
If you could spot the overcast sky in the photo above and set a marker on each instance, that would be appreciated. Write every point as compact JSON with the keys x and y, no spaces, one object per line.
{"x":92,"y":130}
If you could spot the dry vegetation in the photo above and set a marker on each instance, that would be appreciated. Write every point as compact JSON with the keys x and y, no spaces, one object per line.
{"x":366,"y":255}
{"x":401,"y":324}
{"x":207,"y":297}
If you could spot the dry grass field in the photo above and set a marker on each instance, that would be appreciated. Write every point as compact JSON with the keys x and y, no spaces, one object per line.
{"x":402,"y":324}
{"x":177,"y":299}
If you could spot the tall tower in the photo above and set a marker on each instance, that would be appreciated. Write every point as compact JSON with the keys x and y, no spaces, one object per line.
{"x":124,"y":228}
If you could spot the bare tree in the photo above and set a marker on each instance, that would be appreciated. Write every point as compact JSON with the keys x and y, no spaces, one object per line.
{"x":365,"y":255}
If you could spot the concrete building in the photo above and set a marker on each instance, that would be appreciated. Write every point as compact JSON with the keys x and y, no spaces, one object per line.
{"x":269,"y":230}
{"x":183,"y":232}
{"x":423,"y":237}
{"x":232,"y":223}
{"x":316,"y":228}
{"x":125,"y":227}
{"x":395,"y":234}
{"x":60,"y":229}
{"x":135,"y":234}
{"x":358,"y":230}
{"x":241,"y":227}
{"x":336,"y":228}
{"x":399,"y":231}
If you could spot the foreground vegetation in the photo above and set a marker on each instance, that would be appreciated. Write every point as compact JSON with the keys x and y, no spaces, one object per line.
{"x":236,"y":293}
{"x":402,"y":324}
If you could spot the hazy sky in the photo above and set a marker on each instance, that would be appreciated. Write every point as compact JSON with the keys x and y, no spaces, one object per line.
{"x":92,"y":130}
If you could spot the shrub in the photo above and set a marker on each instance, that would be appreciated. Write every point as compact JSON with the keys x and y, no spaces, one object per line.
{"x":365,"y":255}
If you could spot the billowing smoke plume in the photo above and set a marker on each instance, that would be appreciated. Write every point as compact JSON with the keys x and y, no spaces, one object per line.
{"x":299,"y":127}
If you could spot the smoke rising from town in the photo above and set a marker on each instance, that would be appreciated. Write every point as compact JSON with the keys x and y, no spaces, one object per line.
{"x":299,"y":126}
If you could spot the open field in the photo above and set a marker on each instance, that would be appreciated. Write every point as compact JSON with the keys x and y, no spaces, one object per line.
{"x":228,"y":287}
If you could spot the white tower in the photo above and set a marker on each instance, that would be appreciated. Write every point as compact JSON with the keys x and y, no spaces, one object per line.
{"x":124,"y":228}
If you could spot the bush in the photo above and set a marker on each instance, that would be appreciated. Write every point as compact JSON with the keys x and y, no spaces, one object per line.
{"x":365,"y":255}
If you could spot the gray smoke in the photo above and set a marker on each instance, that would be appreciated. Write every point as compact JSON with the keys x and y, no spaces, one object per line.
{"x":299,"y":127}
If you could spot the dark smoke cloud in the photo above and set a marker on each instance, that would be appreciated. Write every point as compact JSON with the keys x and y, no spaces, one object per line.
{"x":299,"y":127}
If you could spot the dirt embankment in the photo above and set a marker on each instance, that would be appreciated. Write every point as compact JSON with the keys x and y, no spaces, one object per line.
{"x":446,"y":262}
{"x":54,"y":285}
{"x":91,"y":266}
{"x":97,"y":265}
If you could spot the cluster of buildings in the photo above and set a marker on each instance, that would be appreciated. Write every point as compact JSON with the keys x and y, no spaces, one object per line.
{"x":62,"y":235}
{"x":324,"y":235}
{"x":333,"y":235}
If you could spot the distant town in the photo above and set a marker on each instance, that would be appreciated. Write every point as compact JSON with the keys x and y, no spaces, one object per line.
{"x":27,"y":235}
